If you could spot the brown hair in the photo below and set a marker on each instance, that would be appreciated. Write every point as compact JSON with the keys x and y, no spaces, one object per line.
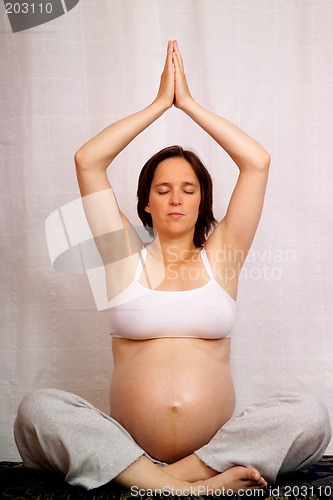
{"x":206,"y":220}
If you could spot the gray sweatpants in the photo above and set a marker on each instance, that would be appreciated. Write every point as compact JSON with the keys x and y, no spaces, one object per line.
{"x":63,"y":432}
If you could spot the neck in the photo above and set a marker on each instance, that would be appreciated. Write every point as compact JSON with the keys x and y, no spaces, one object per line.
{"x":174,"y":250}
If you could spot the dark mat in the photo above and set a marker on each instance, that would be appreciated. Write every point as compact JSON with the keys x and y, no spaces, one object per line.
{"x":18,"y":482}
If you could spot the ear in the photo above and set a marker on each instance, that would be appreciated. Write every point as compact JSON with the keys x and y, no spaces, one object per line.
{"x":147,"y":209}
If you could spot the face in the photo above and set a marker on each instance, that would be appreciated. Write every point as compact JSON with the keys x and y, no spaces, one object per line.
{"x":174,"y":197}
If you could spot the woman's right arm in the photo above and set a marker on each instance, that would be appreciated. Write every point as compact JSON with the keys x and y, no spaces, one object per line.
{"x":106,"y":221}
{"x":115,"y":238}
{"x":93,"y":158}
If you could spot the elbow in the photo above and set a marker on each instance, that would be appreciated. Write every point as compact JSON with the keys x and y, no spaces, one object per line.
{"x":267,"y":160}
{"x":80,"y":160}
{"x":78,"y":157}
{"x":258,"y":161}
{"x":264,"y":161}
{"x":86,"y":159}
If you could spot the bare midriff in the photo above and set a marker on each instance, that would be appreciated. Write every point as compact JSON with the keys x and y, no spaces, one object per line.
{"x":171,"y":394}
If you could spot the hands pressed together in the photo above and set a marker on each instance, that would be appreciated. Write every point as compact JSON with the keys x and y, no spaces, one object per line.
{"x":173,"y":88}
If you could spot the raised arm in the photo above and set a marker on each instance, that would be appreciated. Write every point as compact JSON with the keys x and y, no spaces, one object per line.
{"x":114,"y":236}
{"x":238,"y":227}
{"x":93,"y":158}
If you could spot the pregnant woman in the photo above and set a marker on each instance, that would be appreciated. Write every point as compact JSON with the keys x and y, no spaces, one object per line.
{"x":171,"y":307}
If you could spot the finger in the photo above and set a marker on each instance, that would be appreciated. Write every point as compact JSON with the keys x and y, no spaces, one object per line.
{"x":177,"y":63}
{"x":177,"y":51}
{"x":168,"y":60}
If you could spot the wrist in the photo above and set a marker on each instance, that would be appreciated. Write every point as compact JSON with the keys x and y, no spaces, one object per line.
{"x":187,"y":104}
{"x":161,"y":105}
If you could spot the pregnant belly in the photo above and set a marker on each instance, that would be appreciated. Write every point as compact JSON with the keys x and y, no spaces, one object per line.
{"x":174,"y":405}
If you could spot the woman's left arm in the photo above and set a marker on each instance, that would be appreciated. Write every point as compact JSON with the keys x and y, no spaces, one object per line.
{"x":239,"y":225}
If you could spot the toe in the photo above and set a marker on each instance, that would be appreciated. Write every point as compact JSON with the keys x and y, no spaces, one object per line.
{"x":255,"y":475}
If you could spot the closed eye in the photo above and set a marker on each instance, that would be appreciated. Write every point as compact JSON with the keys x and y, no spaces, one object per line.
{"x":186,"y":192}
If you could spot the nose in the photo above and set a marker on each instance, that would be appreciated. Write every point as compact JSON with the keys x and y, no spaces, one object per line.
{"x":175,"y":198}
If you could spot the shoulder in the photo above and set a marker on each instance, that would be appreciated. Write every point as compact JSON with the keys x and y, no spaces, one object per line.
{"x":224,"y":258}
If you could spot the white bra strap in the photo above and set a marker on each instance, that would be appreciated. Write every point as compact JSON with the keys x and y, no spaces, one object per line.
{"x":206,"y":263}
{"x":141,"y":263}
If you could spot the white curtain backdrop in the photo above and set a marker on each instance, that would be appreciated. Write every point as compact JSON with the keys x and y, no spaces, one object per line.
{"x":267,"y":65}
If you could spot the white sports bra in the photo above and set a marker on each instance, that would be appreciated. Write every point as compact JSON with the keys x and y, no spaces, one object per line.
{"x":140,"y":313}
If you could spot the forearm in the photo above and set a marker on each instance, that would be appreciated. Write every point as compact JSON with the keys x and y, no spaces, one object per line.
{"x":244,"y":151}
{"x":101,"y":150}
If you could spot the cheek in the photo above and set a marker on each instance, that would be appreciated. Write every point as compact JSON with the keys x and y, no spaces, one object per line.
{"x":154,"y":204}
{"x":196,"y":205}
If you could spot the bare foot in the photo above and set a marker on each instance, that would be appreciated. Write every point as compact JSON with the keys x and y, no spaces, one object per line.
{"x":234,"y":479}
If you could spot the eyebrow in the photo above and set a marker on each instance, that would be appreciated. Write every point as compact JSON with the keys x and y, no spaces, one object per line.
{"x":168,"y":184}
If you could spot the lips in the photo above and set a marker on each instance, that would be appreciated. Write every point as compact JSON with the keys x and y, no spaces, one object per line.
{"x":175,"y":214}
